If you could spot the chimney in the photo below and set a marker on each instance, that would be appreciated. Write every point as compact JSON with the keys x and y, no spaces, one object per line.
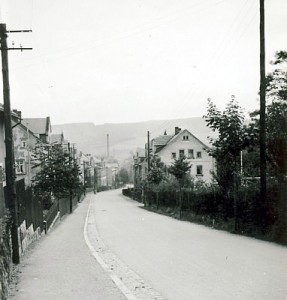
{"x":177,"y":130}
{"x":108,"y":145}
{"x":18,"y":113}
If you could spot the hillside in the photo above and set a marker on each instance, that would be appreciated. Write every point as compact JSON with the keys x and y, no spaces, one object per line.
{"x":126,"y":137}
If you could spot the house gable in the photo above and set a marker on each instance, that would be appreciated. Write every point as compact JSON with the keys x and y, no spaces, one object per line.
{"x":183,"y":138}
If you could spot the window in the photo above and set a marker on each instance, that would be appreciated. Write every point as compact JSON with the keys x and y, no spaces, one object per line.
{"x":199,"y":171}
{"x":24,"y":144}
{"x":181,"y":153}
{"x":20,"y":167}
{"x":185,"y":137}
{"x":173,"y":155}
{"x":198,"y":154}
{"x":190,"y":153}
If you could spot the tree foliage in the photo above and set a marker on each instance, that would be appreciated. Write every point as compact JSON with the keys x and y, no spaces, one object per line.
{"x":276,"y":119}
{"x":230,"y":141}
{"x":157,"y":170}
{"x":123,"y":176}
{"x":180,"y":168}
{"x":59,"y":174}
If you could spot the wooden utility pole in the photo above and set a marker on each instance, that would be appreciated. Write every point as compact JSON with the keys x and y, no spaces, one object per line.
{"x":71,"y":190}
{"x":108,"y":145}
{"x":262,"y":123}
{"x":148,"y":153}
{"x":9,"y":145}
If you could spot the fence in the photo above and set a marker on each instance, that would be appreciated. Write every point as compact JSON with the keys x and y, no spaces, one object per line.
{"x":211,"y":204}
{"x":51,"y":216}
{"x":62,"y":207}
{"x":30,"y":209}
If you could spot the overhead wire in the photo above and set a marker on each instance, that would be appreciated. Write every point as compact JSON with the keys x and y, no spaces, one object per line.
{"x":212,"y":62}
{"x":140,"y":30}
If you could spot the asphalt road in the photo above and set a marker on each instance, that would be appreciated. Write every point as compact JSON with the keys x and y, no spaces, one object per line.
{"x":182,"y":260}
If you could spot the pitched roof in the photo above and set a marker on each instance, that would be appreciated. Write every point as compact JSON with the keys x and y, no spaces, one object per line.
{"x":37,"y":125}
{"x":162,"y":140}
{"x":180,"y":133}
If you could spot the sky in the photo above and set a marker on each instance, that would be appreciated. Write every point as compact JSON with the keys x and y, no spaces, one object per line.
{"x":137,"y":60}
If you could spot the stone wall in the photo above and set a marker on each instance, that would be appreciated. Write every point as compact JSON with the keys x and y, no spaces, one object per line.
{"x":27,"y":236}
{"x":5,"y":259}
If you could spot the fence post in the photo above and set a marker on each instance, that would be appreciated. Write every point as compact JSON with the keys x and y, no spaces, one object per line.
{"x":157,"y":202}
{"x":45,"y":226}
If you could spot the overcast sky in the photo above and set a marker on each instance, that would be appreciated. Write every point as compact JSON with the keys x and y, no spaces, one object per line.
{"x":116,"y":61}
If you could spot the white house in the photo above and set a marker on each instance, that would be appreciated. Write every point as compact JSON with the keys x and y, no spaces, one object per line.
{"x":184,"y":143}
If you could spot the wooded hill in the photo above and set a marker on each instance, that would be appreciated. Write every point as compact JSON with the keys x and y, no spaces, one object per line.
{"x":124,"y":138}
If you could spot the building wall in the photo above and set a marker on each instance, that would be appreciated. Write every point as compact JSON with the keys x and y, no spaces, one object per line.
{"x":192,"y":143}
{"x":24,"y":143}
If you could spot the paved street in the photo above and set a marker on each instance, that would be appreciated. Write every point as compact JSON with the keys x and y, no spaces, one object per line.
{"x":181,"y":260}
{"x":61,"y":267}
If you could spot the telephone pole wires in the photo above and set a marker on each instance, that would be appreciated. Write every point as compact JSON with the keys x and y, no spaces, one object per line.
{"x":148,"y":152}
{"x":9,"y":145}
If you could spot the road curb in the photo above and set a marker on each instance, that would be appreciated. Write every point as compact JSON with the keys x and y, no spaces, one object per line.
{"x":127,"y":293}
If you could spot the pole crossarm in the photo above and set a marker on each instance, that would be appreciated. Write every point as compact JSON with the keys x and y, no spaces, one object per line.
{"x":17,"y":31}
{"x":16,"y":49}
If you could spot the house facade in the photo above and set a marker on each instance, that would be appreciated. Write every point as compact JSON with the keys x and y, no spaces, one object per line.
{"x":24,"y":143}
{"x":184,"y":143}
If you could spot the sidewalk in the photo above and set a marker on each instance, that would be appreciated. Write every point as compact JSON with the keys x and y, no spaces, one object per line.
{"x":60,"y":266}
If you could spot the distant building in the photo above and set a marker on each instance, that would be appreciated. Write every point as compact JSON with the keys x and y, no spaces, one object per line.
{"x":184,"y":143}
{"x":140,"y":167}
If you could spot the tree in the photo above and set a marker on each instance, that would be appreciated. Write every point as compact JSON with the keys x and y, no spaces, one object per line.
{"x":276,"y":146}
{"x":276,"y":120}
{"x":157,"y":170}
{"x":123,"y":176}
{"x":58,"y":176}
{"x":277,"y":116}
{"x":226,"y":149}
{"x":179,"y":169}
{"x":227,"y":146}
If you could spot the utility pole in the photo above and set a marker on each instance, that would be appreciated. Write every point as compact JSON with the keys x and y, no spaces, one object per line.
{"x":71,"y":190}
{"x":262,"y":123}
{"x":9,"y":145}
{"x":148,"y":153}
{"x":108,"y":146}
